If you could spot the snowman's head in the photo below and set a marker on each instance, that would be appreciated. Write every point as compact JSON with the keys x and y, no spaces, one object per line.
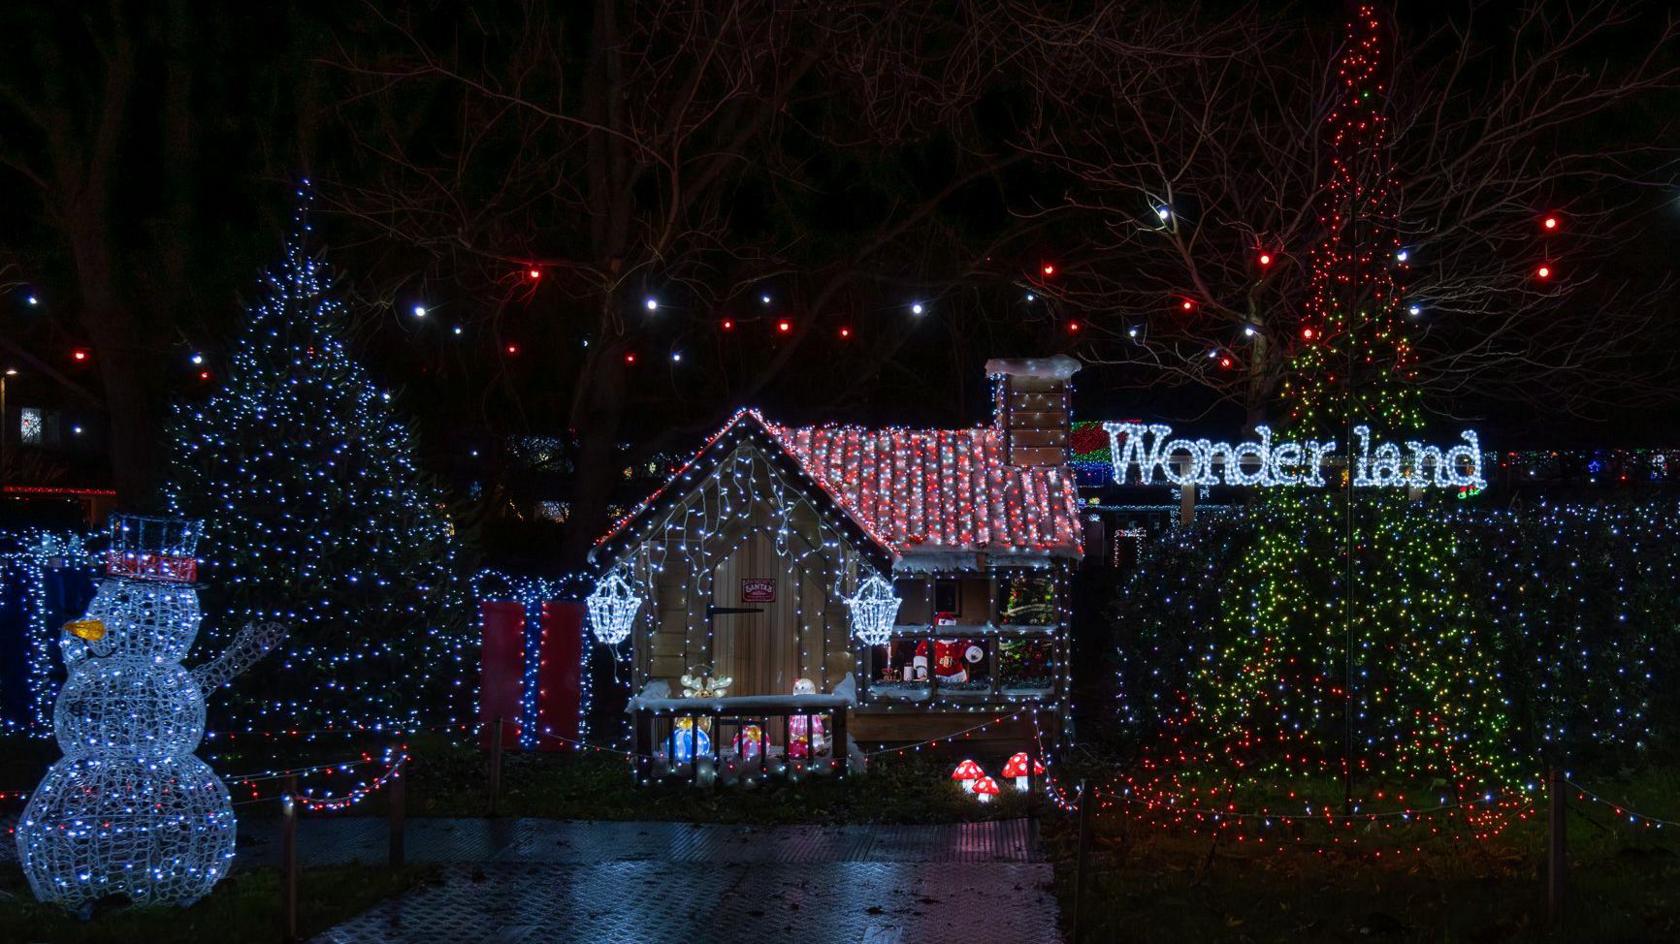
{"x":135,"y":618}
{"x":148,"y":607}
{"x":804,"y":686}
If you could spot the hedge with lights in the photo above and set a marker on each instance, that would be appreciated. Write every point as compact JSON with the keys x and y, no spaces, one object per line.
{"x":1576,"y":610}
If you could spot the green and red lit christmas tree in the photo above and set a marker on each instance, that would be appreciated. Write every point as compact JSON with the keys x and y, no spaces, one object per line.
{"x":1347,"y":671}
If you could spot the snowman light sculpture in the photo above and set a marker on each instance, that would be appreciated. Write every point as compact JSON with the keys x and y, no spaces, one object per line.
{"x":129,"y":812}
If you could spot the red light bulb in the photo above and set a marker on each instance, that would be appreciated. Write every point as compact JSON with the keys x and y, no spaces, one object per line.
{"x":784,"y":326}
{"x":630,"y":357}
{"x":845,"y":333}
{"x":80,"y":354}
{"x":1187,"y":305}
{"x":1073,"y":327}
{"x":513,"y":350}
{"x":204,"y":375}
{"x":1225,"y":362}
{"x":1265,"y":258}
{"x":1307,"y":333}
{"x":533,"y":274}
{"x":1550,"y":223}
{"x":1049,"y":269}
{"x":1545,"y":271}
{"x":729,"y":324}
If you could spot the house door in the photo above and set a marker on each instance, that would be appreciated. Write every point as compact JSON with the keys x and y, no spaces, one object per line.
{"x":760,"y":651}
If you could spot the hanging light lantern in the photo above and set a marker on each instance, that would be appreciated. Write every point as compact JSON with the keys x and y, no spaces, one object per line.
{"x":874,"y":611}
{"x":612,"y":608}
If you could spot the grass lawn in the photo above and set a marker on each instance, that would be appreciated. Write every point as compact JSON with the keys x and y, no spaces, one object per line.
{"x":245,"y":907}
{"x":1151,"y":885}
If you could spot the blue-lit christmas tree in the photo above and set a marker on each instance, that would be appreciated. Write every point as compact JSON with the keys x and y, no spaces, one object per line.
{"x":318,"y":515}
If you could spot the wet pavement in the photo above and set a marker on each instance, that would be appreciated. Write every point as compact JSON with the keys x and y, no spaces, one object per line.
{"x":516,"y":880}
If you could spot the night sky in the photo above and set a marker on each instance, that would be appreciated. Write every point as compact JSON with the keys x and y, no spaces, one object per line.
{"x":880,"y":158}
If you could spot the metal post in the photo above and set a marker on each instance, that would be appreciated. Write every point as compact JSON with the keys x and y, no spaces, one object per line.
{"x":5,"y":427}
{"x":839,"y":743}
{"x":496,"y":766}
{"x":644,"y":745}
{"x":398,"y":798}
{"x":288,"y":859}
{"x":1082,"y":861}
{"x":1557,"y":865}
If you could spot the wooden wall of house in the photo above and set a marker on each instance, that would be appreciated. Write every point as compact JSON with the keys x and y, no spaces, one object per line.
{"x":803,"y":633}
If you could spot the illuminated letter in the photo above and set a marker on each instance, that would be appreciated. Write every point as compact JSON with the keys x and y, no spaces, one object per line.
{"x":1285,"y":458}
{"x":1421,"y":456}
{"x":1135,"y":450}
{"x":1362,"y":462}
{"x":1467,"y":455}
{"x":1262,"y":450}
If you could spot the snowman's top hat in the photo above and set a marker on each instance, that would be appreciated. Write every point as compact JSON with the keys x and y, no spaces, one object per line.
{"x":162,"y":549}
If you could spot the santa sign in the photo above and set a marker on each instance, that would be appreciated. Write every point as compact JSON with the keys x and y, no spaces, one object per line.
{"x":758,"y":590}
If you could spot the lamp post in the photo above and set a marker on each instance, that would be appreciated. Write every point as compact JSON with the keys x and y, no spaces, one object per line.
{"x":5,"y":426}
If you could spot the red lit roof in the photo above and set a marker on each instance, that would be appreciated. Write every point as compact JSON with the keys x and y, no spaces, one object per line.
{"x":909,"y":491}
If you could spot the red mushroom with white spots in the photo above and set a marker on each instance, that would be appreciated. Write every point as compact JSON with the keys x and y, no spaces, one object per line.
{"x":1019,"y":766}
{"x":966,"y":773}
{"x":985,"y":788}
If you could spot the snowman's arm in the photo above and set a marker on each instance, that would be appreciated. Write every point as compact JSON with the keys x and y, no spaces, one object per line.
{"x":253,"y":642}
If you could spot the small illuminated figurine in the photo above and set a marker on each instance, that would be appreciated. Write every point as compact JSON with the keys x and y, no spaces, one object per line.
{"x":749,"y":743}
{"x":699,"y":683}
{"x":949,"y":656}
{"x":687,"y":741}
{"x":985,"y":788}
{"x":805,"y":732}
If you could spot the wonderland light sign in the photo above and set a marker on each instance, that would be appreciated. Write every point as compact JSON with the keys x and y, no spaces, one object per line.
{"x":1152,"y":448}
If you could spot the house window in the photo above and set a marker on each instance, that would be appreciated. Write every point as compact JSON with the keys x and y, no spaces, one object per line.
{"x":30,"y":425}
{"x":1026,"y":598}
{"x":947,"y":598}
{"x":1026,"y":665}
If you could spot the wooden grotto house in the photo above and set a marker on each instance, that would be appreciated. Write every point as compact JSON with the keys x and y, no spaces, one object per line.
{"x":792,"y":592}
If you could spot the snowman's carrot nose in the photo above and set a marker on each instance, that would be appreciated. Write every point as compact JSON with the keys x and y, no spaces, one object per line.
{"x":91,"y":630}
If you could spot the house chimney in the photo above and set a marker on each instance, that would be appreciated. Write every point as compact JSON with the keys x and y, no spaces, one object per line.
{"x":1032,"y":407}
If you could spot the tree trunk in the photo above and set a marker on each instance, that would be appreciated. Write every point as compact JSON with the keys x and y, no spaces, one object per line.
{"x":120,"y":353}
{"x":597,"y":412}
{"x":1259,"y":388}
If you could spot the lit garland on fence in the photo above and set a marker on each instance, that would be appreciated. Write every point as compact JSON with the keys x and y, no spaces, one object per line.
{"x":319,"y":517}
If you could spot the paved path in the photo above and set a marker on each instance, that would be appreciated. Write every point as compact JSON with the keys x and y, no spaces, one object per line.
{"x":650,"y":883}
